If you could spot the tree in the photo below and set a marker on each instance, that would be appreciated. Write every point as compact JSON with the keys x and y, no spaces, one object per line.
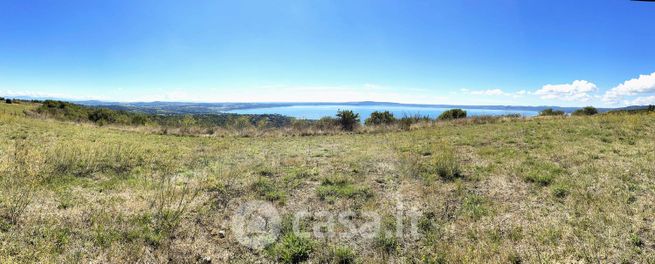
{"x":452,"y":114}
{"x":380,"y":118}
{"x":102,"y":116}
{"x":348,"y":119}
{"x":651,"y":108}
{"x":587,"y":110}
{"x":551,"y":112}
{"x":8,"y":101}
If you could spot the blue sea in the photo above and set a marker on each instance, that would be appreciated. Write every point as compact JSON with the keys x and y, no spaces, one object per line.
{"x":318,"y":111}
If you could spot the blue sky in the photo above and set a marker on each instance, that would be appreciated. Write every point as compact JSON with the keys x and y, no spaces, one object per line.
{"x":520,"y":52}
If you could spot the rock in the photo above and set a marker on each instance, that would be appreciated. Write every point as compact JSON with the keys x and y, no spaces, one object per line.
{"x":206,"y":260}
{"x":221,"y":234}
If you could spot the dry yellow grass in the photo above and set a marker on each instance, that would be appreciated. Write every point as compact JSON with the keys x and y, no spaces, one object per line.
{"x":578,"y":189}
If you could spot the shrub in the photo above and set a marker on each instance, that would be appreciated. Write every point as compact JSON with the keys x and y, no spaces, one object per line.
{"x":327,"y":123}
{"x":651,"y":108}
{"x":348,"y":119}
{"x":8,"y":101}
{"x":380,"y":118}
{"x":292,"y":249}
{"x":102,"y":116}
{"x":452,"y":114}
{"x":406,"y":122}
{"x":587,"y":110}
{"x":551,"y":112}
{"x":139,"y":120}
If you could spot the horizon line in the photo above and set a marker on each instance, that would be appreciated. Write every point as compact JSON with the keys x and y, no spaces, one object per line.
{"x":295,"y":102}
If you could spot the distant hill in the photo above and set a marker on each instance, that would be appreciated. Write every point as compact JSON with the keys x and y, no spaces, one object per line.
{"x":207,"y":108}
{"x":212,"y":108}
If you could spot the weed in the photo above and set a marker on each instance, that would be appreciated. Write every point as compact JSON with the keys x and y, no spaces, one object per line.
{"x":171,"y":201}
{"x":475,"y":206}
{"x":560,"y":191}
{"x":636,"y":241}
{"x":292,"y":249}
{"x":267,"y":189}
{"x":335,"y":187}
{"x":21,"y":181}
{"x":444,"y":165}
{"x":386,"y":242}
{"x":542,"y":173}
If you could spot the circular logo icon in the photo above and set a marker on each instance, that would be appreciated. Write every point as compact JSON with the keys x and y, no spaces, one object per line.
{"x":256,"y":224}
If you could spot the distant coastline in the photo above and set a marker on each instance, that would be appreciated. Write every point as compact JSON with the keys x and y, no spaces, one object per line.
{"x":222,"y":107}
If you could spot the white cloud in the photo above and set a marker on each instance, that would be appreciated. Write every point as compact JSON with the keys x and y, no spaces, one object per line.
{"x":645,"y":100}
{"x":37,"y":94}
{"x":642,"y":84}
{"x":494,"y":92}
{"x":578,"y":90}
{"x":274,"y":93}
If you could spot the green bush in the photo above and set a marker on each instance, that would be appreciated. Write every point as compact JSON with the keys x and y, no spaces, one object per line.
{"x":551,"y":112}
{"x":380,"y":118}
{"x":348,"y":119}
{"x":102,"y":116}
{"x":292,"y":249}
{"x":585,"y":111}
{"x":452,"y":114}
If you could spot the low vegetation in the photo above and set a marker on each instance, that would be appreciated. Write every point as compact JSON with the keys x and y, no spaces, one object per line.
{"x":452,"y":114}
{"x":483,"y":190}
{"x":348,"y":119}
{"x":587,"y":110}
{"x":551,"y":112}
{"x":380,"y":118}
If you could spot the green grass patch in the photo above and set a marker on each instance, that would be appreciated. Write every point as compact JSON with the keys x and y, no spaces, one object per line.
{"x":335,"y":187}
{"x":292,"y":249}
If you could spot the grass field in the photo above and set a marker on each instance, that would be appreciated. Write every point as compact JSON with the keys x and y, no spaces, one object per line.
{"x":539,"y":190}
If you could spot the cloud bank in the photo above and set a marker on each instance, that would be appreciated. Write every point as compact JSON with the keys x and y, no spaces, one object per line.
{"x":578,"y":90}
{"x":638,"y":86}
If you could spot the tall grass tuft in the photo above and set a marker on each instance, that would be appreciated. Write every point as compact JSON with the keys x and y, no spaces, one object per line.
{"x":21,"y":177}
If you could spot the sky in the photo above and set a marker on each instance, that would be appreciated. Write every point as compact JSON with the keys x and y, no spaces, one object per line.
{"x":509,"y":52}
